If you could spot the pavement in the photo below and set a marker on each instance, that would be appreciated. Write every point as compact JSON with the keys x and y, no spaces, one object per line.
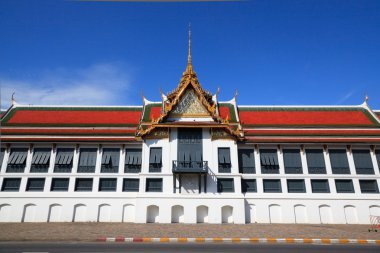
{"x":76,"y":247}
{"x":91,"y":232}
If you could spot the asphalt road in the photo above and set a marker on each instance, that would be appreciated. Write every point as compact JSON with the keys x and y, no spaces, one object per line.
{"x":65,"y":247}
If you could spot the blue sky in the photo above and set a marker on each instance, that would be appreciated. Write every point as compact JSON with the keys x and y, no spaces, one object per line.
{"x":322,"y":52}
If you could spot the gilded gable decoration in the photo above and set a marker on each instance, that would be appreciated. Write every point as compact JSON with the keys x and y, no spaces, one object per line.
{"x":189,"y":106}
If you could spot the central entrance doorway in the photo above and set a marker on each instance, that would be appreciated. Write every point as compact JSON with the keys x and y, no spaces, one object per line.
{"x":189,"y":166}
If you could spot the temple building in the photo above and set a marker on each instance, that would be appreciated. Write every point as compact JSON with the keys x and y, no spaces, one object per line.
{"x":190,"y":158}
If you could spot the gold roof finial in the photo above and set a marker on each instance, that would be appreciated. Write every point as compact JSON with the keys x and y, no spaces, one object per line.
{"x":189,"y":68}
{"x":189,"y":50}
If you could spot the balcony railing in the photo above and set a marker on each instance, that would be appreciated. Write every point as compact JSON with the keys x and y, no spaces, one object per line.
{"x":190,"y":167}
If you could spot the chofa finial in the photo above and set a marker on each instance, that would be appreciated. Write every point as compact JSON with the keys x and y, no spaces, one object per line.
{"x":13,"y":98}
{"x":366,"y":98}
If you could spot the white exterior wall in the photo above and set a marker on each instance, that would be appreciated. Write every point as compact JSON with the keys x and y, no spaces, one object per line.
{"x":338,"y":208}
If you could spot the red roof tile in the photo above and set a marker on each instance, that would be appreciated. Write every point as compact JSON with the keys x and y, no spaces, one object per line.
{"x":65,"y":117}
{"x":305,"y":118}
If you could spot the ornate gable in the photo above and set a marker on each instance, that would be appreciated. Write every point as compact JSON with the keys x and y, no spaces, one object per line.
{"x":189,"y":100}
{"x":189,"y":106}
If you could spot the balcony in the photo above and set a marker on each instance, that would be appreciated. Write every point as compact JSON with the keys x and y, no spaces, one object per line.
{"x":190,"y":167}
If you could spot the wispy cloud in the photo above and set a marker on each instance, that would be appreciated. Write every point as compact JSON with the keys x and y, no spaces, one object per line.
{"x":99,"y":84}
{"x":345,"y":97}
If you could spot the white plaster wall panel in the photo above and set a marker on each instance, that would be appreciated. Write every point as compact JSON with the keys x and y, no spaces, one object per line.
{"x":350,"y":214}
{"x":29,"y":214}
{"x":325,"y":214}
{"x":80,"y":213}
{"x":55,"y":213}
{"x":275,"y":213}
{"x":177,"y":214}
{"x":227,"y":214}
{"x":104,"y":213}
{"x":153,"y":213}
{"x":300,"y":214}
{"x":202,"y":214}
{"x":5,"y":212}
{"x":374,"y":210}
{"x":129,"y":211}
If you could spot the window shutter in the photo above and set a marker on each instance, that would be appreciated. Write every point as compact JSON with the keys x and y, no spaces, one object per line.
{"x":339,"y":161}
{"x":315,"y":161}
{"x":292,"y":161}
{"x":363,"y":162}
{"x":41,"y":156}
{"x":2,"y":151}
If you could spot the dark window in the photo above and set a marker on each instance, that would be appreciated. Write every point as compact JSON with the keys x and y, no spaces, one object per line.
{"x":296,"y":186}
{"x":378,"y":158}
{"x":40,"y":160}
{"x":11,"y":185}
{"x":292,"y":161}
{"x":83,"y":184}
{"x":320,"y":186}
{"x":269,"y":161}
{"x":224,"y":160}
{"x":64,"y":160}
{"x":248,"y":185}
{"x":17,"y":160}
{"x":368,"y":186}
{"x":344,"y":186}
{"x":59,"y":184}
{"x":107,"y":184}
{"x":87,"y":160}
{"x":272,"y":185}
{"x":35,"y":184}
{"x":155,"y":160}
{"x":110,"y":160}
{"x":315,"y":161}
{"x":246,"y":161}
{"x":339,"y":161}
{"x":363,"y":162}
{"x":131,"y":185}
{"x":2,"y":151}
{"x":132,"y":161}
{"x":225,"y":185}
{"x":153,"y":185}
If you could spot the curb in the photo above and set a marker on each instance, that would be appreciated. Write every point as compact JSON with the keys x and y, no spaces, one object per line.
{"x":236,"y":240}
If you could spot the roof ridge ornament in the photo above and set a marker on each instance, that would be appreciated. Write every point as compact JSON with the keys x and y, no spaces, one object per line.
{"x":189,"y":67}
{"x":13,"y":98}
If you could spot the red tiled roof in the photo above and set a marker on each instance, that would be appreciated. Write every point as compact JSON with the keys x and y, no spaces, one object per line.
{"x":76,"y":116}
{"x":305,"y":118}
{"x":312,"y":132}
{"x":154,"y":112}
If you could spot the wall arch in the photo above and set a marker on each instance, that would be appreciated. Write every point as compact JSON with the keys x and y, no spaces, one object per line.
{"x":29,"y":213}
{"x":374,"y":210}
{"x":227,"y":214}
{"x":129,"y":213}
{"x":202,"y":214}
{"x":250,"y":213}
{"x":350,"y":214}
{"x":79,"y":214}
{"x":325,"y":214}
{"x":300,"y":214}
{"x":5,"y":212}
{"x":152,"y":214}
{"x":104,"y":213}
{"x":275,"y":215}
{"x":55,"y":213}
{"x":178,"y":214}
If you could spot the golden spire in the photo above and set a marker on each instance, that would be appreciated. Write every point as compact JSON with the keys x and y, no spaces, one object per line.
{"x":189,"y":51}
{"x":189,"y":68}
